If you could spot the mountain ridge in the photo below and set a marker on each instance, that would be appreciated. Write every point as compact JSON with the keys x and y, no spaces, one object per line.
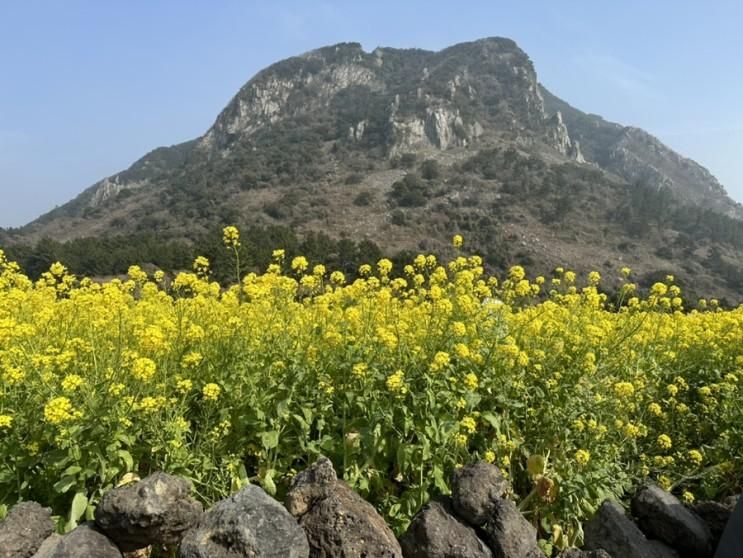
{"x":306,"y":140}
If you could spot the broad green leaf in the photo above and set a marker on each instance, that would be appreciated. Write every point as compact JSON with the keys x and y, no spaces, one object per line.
{"x":127,"y":458}
{"x":270,"y":439}
{"x":79,"y":503}
{"x":64,"y":484}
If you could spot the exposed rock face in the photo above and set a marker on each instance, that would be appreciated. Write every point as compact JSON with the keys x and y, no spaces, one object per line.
{"x":156,"y":510}
{"x":337,"y":521}
{"x":611,"y":530}
{"x":24,"y":529}
{"x":476,"y":489}
{"x":575,"y":153}
{"x":248,"y":524}
{"x":557,"y":134}
{"x":662,"y":516}
{"x":435,"y":533}
{"x":85,"y":542}
{"x":509,"y":534}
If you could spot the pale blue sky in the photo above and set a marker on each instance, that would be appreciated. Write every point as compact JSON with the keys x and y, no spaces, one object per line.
{"x":88,"y":86}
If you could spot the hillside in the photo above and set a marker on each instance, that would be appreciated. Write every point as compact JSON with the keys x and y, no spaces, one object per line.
{"x":405,"y":147}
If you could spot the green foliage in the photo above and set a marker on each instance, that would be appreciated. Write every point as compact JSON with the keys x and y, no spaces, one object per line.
{"x":411,"y":191}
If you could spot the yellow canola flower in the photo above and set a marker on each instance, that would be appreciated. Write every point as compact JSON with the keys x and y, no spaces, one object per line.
{"x":231,"y":237}
{"x":60,"y":410}
{"x":211,"y":391}
{"x":582,"y":457}
{"x":6,"y":421}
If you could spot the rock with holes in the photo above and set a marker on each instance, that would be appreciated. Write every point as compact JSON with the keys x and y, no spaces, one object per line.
{"x":508,"y":533}
{"x":248,"y":524}
{"x":24,"y":529}
{"x":155,"y":510}
{"x":85,"y":541}
{"x":611,"y":530}
{"x":310,"y":486}
{"x":336,"y":520}
{"x":434,"y":532}
{"x":662,"y":516}
{"x":475,"y":489}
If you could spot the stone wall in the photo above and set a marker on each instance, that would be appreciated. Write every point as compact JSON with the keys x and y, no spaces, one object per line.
{"x":323,"y":517}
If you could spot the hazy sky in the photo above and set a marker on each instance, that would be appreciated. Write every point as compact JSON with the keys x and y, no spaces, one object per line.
{"x":87,"y":87}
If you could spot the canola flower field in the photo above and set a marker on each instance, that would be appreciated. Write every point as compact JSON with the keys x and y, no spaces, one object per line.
{"x":397,"y":378}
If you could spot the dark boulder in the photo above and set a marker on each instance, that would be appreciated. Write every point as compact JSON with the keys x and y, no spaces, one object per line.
{"x":345,"y":525}
{"x":475,"y":489}
{"x":509,"y":534}
{"x":662,"y":516}
{"x":155,"y":510}
{"x":336,"y":520}
{"x":24,"y":529}
{"x":310,"y":486}
{"x":716,"y":515}
{"x":248,"y":524}
{"x":85,"y":541}
{"x":435,"y":533}
{"x":611,"y":530}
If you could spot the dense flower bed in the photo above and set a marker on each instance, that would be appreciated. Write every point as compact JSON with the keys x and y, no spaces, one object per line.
{"x":398,"y":378}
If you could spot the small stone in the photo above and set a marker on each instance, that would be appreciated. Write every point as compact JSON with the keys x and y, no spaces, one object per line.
{"x":23,"y":530}
{"x":509,"y":534}
{"x":475,"y":490}
{"x":85,"y":541}
{"x":435,"y":533}
{"x":662,"y":516}
{"x":248,"y":524}
{"x":155,"y":510}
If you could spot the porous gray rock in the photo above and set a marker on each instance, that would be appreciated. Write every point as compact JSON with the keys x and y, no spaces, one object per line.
{"x":475,"y":489}
{"x":509,"y":534}
{"x":85,"y":541}
{"x":155,"y":510}
{"x":435,"y":533}
{"x":24,"y":529}
{"x":248,"y":524}
{"x":47,"y":548}
{"x":662,"y":550}
{"x":715,"y":514}
{"x":310,"y":486}
{"x":345,"y":525}
{"x":611,"y":530}
{"x":660,"y":515}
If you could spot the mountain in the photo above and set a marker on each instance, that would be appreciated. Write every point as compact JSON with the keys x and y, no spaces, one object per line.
{"x":405,"y":148}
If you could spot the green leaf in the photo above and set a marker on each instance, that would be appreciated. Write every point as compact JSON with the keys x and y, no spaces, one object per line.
{"x":72,"y":470}
{"x":127,"y":458}
{"x":79,"y":503}
{"x":267,"y":482}
{"x":492,"y":420}
{"x":270,"y":439}
{"x":64,"y":484}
